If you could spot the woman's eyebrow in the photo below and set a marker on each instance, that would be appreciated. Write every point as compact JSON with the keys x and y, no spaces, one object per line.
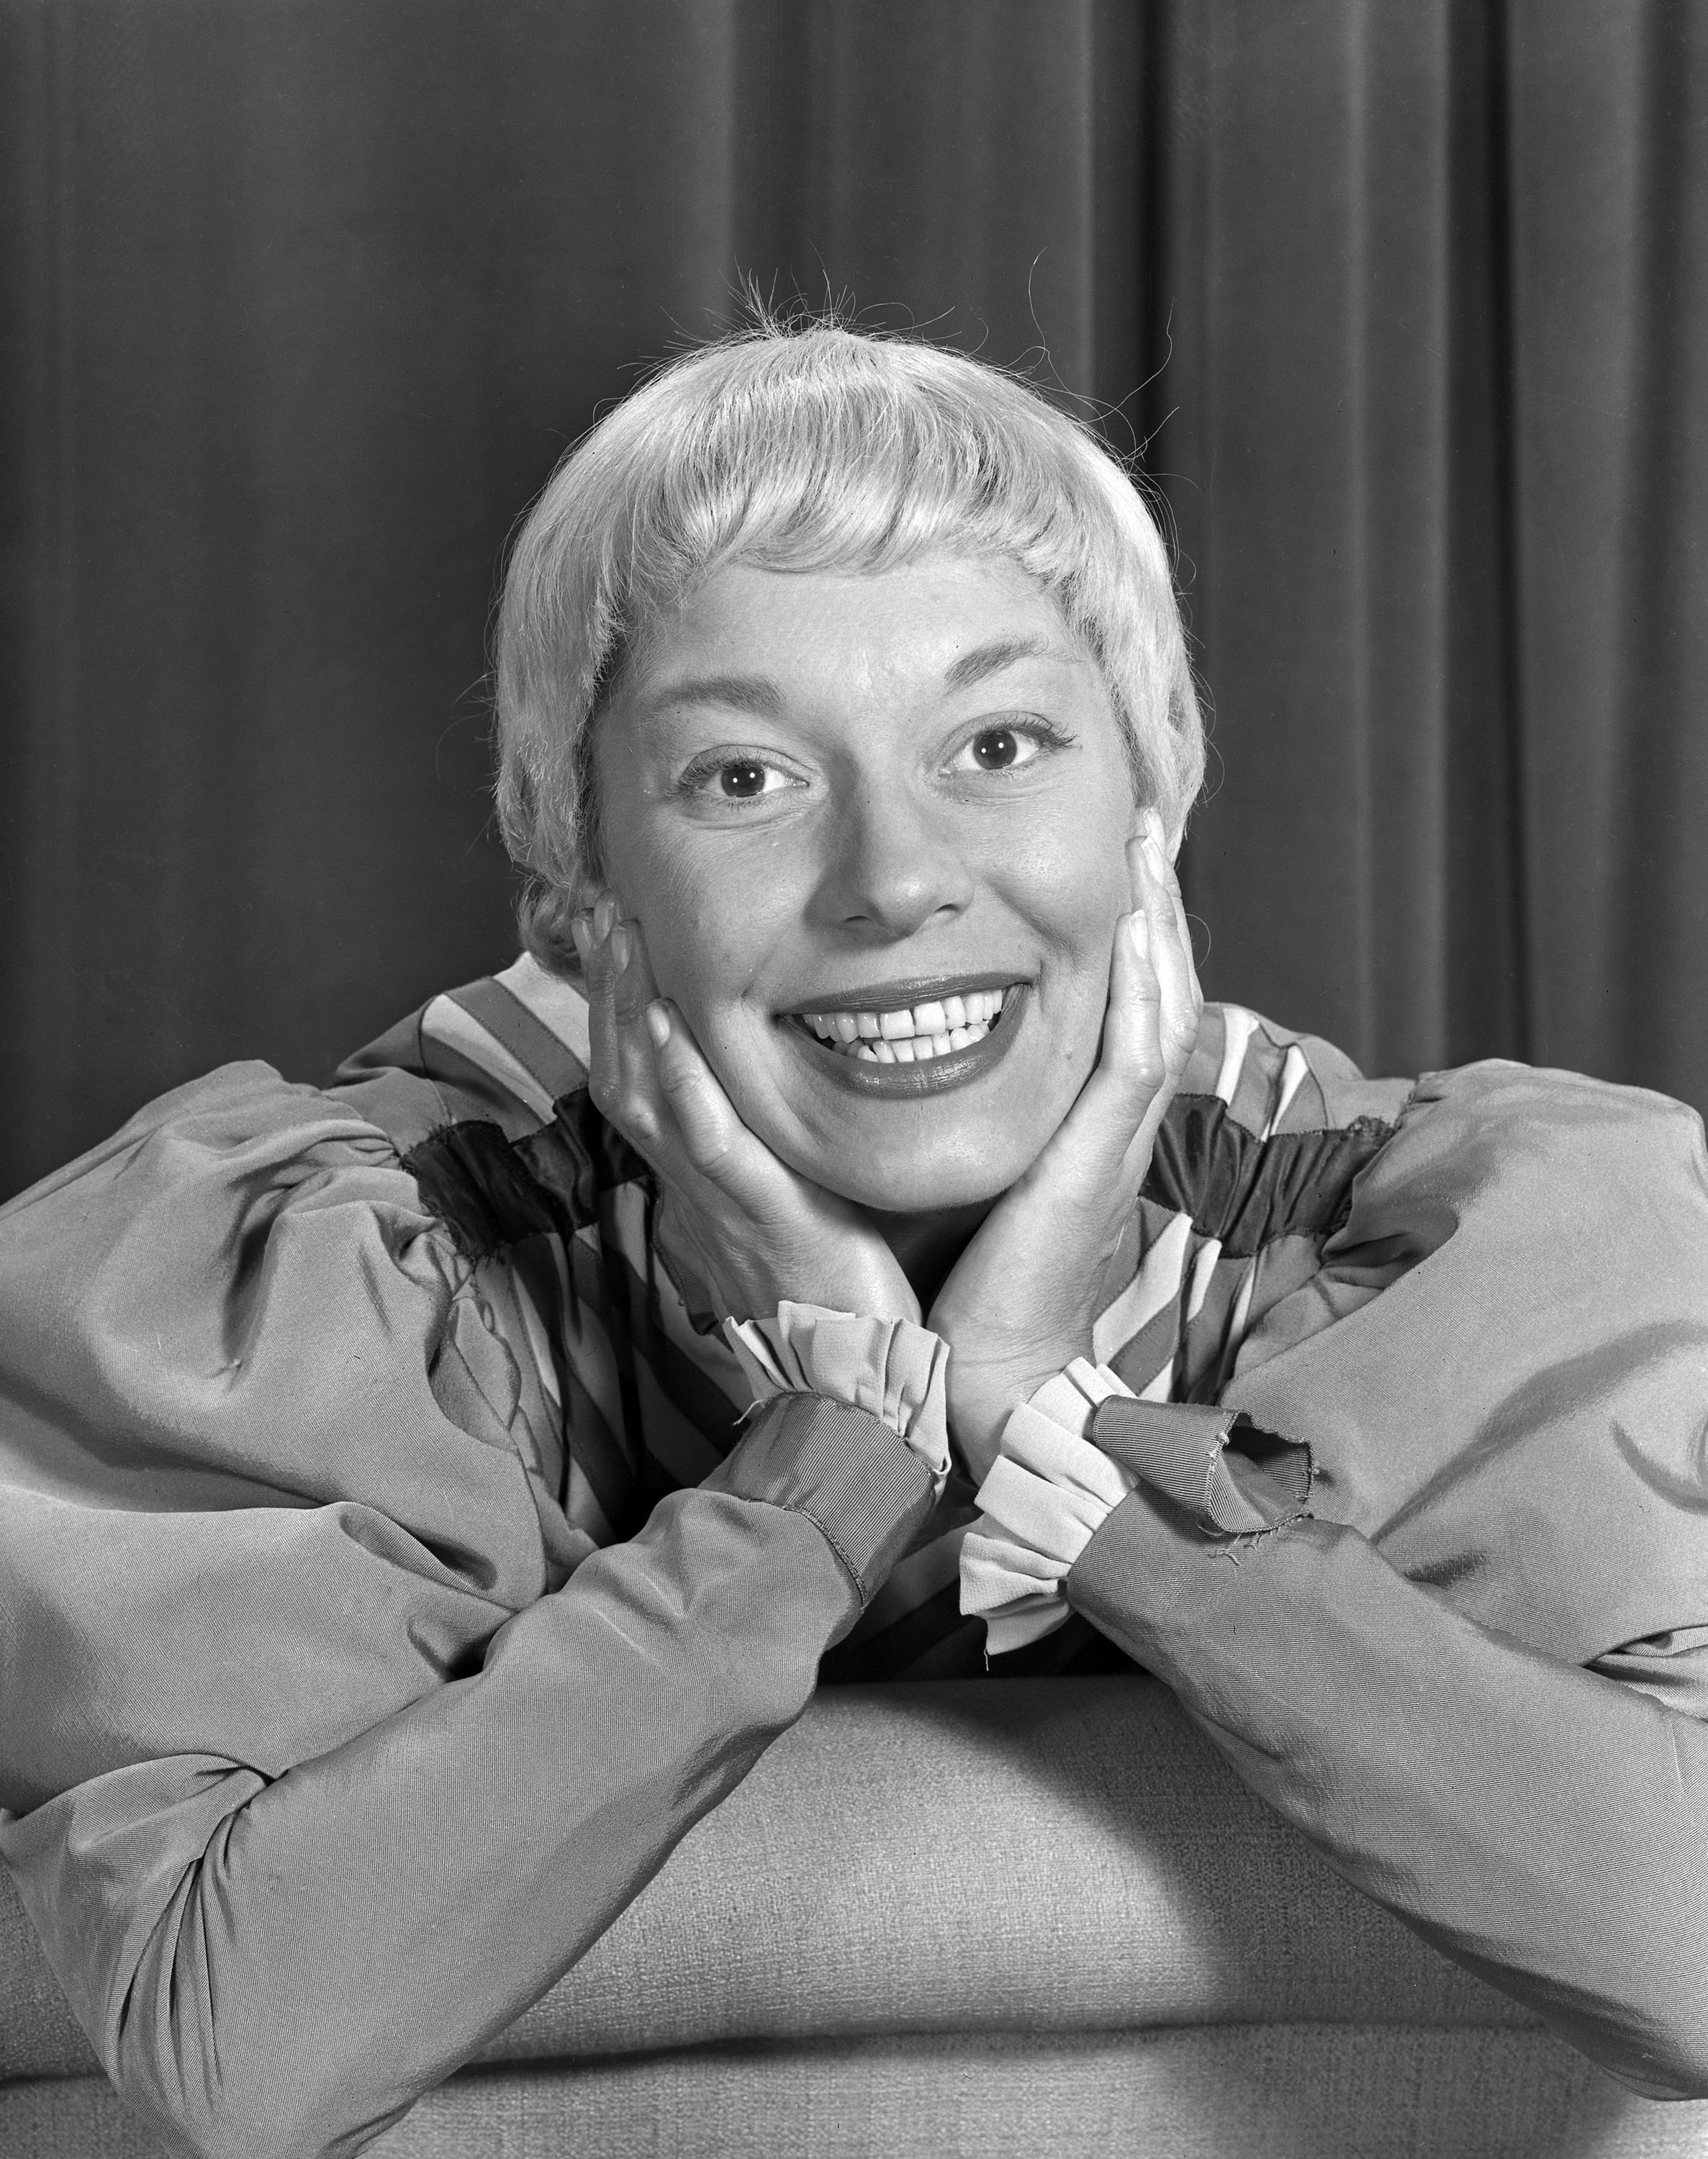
{"x":747,"y":693}
{"x":986,"y":659}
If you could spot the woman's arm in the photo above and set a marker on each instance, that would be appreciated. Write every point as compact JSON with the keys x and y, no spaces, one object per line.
{"x":1468,"y":1689}
{"x":1545,"y":1825}
{"x":309,"y":1788}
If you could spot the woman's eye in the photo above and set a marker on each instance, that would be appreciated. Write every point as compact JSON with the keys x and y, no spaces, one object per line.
{"x":735,"y":779}
{"x":999,"y":749}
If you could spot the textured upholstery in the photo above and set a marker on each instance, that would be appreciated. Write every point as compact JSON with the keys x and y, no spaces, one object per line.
{"x":1037,"y":1856}
{"x":1233,"y":2092}
{"x":966,"y":1918}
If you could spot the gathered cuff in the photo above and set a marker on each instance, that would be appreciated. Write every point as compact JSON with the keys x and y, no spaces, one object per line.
{"x":1047,"y":1493}
{"x":897,"y":1370}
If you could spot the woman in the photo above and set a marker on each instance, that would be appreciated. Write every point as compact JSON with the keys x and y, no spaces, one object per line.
{"x":388,"y":1586}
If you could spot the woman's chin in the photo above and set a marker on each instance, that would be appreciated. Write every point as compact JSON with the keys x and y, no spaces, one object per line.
{"x":934,"y":1185}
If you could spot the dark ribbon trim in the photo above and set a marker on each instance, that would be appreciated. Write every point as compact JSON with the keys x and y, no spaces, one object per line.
{"x":1248,"y":1191}
{"x":491,"y":1192}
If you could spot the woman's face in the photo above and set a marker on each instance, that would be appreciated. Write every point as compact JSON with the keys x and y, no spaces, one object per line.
{"x":838,"y":804}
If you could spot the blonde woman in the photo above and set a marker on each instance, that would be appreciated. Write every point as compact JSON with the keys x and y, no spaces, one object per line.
{"x":423,"y":1500}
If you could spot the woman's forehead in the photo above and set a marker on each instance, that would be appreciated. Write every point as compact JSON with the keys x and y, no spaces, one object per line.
{"x":947,"y":622}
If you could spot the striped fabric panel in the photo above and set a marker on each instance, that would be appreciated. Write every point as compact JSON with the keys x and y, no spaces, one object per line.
{"x":470,"y":1020}
{"x":1173,"y":1332}
{"x":1152,"y":1291}
{"x":456,"y":1047}
{"x":585,"y":1340}
{"x":920,"y":1574}
{"x":930,"y":1641}
{"x":1292,"y":1075}
{"x":1238,"y":1026}
{"x":600,"y":1487}
{"x":677,"y":1443}
{"x":698,"y":1372}
{"x":515,"y":1023}
{"x":559,"y":1007}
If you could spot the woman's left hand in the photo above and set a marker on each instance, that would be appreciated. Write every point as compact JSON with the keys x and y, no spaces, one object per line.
{"x":1021,"y":1300}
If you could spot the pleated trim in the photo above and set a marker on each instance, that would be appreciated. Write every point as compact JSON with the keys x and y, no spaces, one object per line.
{"x":897,"y":1370}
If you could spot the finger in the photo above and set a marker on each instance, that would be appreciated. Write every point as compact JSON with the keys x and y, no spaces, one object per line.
{"x":590,"y":931}
{"x":1170,"y":953}
{"x":1149,"y":1026}
{"x":622,"y":1079}
{"x":1183,"y":920}
{"x":704,"y":1119}
{"x":633,"y":988}
{"x":1135,"y":1064}
{"x":664,"y":1097}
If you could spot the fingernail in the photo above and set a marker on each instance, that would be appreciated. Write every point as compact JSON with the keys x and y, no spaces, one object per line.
{"x":622,"y":947}
{"x":658,"y":1023}
{"x":604,"y":916}
{"x":1153,"y":825}
{"x":1139,"y":930}
{"x":581,"y":929}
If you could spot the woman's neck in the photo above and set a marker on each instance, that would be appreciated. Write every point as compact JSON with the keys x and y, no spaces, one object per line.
{"x":928,"y":1246}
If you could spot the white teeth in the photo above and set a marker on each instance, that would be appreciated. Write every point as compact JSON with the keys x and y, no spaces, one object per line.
{"x":918,"y":1049}
{"x":910,"y":1036}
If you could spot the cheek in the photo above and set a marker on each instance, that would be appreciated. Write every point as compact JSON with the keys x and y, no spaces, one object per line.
{"x":708,"y":932}
{"x":1068,"y":878}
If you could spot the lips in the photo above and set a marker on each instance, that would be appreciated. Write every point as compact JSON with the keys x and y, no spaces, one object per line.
{"x":882,"y":1042}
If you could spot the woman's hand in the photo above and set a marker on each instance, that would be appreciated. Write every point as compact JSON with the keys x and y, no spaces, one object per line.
{"x":1021,"y":1300}
{"x":754,"y":1232}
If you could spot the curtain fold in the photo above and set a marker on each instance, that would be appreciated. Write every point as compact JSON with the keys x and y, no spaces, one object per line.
{"x":298,"y":304}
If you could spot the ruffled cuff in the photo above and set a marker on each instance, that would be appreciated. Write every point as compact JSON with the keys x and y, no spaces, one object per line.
{"x":896,"y":1370}
{"x":1049,"y":1490}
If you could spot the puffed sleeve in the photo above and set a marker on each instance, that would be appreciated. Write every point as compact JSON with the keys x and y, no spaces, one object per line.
{"x":1467,"y":1672}
{"x":322,"y":1759}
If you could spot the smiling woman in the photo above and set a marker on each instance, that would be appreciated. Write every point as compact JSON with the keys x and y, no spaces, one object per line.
{"x":893,"y":804}
{"x":844,"y":1245}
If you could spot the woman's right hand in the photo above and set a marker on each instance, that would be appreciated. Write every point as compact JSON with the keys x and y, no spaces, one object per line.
{"x":754,"y":1230}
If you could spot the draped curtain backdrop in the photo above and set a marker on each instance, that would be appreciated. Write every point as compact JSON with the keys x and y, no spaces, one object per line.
{"x":1405,"y":306}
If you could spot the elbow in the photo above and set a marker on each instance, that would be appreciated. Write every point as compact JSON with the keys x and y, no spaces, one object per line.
{"x":1661,"y":2053}
{"x":1676,"y":2068}
{"x":263,"y":2122}
{"x":208,"y":2094}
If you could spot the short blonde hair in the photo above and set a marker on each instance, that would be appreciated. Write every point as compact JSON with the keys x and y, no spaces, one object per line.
{"x":815,"y":447}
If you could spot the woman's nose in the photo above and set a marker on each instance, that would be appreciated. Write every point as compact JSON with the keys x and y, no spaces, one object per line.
{"x":893,"y":866}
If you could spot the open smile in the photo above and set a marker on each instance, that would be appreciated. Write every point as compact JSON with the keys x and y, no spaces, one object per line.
{"x":892,"y":1040}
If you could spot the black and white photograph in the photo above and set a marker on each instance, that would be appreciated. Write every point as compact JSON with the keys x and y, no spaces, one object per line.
{"x":853,"y":1215}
